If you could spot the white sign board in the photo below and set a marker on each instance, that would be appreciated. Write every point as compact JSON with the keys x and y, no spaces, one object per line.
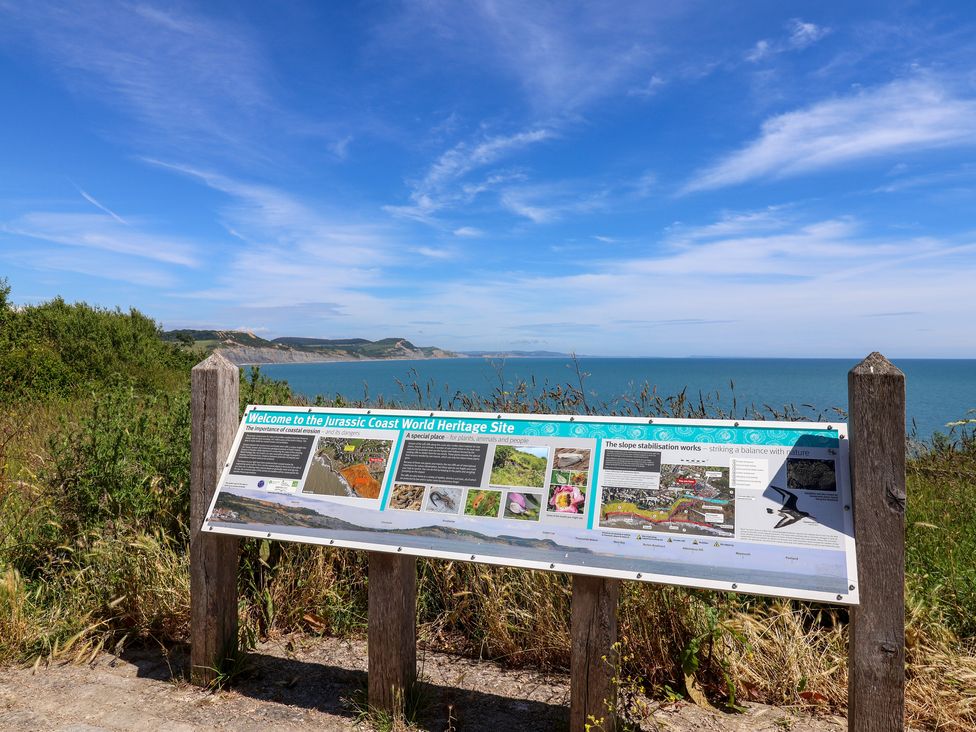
{"x":759,"y":507}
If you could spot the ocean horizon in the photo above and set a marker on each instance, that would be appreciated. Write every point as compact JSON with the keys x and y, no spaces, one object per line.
{"x":939,"y":391}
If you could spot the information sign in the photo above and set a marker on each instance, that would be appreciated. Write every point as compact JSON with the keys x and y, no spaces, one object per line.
{"x":760,"y":507}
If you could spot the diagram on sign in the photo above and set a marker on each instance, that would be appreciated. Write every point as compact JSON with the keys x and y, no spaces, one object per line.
{"x":683,"y":499}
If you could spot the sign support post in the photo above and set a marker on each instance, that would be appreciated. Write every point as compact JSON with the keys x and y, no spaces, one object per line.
{"x":392,"y":631}
{"x":593,"y":633}
{"x":214,"y":385}
{"x":876,"y":649}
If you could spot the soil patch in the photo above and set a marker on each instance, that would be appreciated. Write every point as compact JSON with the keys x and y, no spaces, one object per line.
{"x":306,"y":684}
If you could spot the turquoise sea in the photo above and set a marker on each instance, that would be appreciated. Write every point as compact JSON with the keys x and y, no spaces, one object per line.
{"x":939,"y":391}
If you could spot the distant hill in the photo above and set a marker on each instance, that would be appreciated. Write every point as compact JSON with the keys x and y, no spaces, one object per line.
{"x":245,"y":348}
{"x":514,"y":354}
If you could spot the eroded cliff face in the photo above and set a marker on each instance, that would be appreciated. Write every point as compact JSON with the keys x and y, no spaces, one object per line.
{"x":254,"y":355}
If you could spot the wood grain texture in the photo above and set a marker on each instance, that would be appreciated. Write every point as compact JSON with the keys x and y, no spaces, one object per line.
{"x":392,"y":635}
{"x":213,"y":559}
{"x":592,"y":655}
{"x":876,"y":651}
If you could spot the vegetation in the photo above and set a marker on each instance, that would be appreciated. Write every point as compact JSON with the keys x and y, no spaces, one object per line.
{"x":94,"y":441}
{"x":512,"y":466}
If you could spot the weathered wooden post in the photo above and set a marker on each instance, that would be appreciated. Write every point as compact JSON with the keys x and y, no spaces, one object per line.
{"x":392,"y":634}
{"x":213,"y":558}
{"x":876,"y":651}
{"x":593,"y":630}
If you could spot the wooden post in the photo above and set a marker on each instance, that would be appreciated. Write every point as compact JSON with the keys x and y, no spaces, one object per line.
{"x":392,"y":635}
{"x":593,"y":632}
{"x":213,"y":558}
{"x":876,"y":651}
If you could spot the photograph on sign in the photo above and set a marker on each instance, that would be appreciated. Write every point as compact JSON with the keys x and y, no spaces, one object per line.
{"x":754,"y":506}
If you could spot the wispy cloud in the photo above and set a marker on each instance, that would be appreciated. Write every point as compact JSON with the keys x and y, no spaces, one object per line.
{"x":784,"y":285}
{"x":292,"y":251}
{"x":468,"y":232}
{"x":98,"y":264}
{"x":649,"y":88}
{"x":187,"y":78}
{"x":565,"y":56}
{"x":900,"y":117}
{"x":103,"y":232}
{"x":801,"y":34}
{"x":447,"y":183}
{"x":91,"y":199}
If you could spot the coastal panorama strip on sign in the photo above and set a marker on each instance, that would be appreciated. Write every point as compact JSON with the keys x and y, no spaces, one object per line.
{"x":761,"y":507}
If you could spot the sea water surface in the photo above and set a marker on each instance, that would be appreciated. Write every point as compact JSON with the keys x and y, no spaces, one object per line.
{"x":938,"y":391}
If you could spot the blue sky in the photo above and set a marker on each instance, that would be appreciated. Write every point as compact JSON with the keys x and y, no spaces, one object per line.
{"x":623,"y":179}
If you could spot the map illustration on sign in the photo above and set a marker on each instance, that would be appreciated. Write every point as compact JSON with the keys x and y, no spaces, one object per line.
{"x":348,"y":467}
{"x":752,"y":506}
{"x":687,"y":499}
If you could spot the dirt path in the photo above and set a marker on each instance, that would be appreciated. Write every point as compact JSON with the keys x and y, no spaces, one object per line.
{"x":317,"y":685}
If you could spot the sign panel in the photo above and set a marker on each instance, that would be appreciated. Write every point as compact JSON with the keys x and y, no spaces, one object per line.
{"x":759,"y":507}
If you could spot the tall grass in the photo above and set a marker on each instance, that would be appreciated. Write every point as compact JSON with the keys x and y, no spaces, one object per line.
{"x":93,"y":555}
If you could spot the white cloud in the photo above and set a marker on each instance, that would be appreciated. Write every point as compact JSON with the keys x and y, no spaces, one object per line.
{"x":564,"y":56}
{"x":801,"y":34}
{"x":648,"y":89}
{"x":900,"y":117}
{"x":189,"y":80}
{"x":103,"y":232}
{"x":443,"y":185}
{"x":788,"y":288}
{"x":804,"y":34}
{"x":760,"y":51}
{"x":436,"y":253}
{"x":100,"y":264}
{"x":92,"y":200}
{"x":469,"y":232}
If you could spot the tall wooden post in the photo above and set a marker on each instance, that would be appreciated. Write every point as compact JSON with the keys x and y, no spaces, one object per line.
{"x":876,"y":654}
{"x":392,"y":634}
{"x":213,"y":558}
{"x":593,"y":633}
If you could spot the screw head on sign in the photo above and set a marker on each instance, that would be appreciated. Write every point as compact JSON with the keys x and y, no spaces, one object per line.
{"x":735,"y":586}
{"x":552,"y":566}
{"x":639,"y":575}
{"x":399,"y":548}
{"x":472,"y":557}
{"x":840,"y":597}
{"x":851,"y":588}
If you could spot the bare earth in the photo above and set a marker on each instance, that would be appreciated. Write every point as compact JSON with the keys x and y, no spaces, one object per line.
{"x":318,"y":684}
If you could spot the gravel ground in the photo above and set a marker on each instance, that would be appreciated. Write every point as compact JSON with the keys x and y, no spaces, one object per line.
{"x":306,"y":684}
